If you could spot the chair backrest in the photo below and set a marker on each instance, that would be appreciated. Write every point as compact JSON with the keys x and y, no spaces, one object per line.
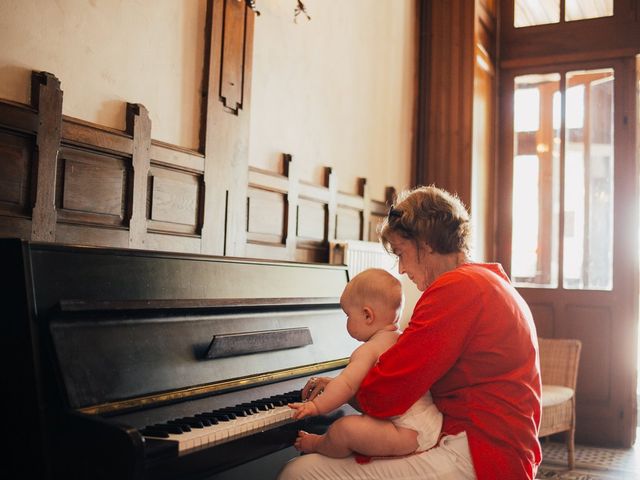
{"x":559,"y":360}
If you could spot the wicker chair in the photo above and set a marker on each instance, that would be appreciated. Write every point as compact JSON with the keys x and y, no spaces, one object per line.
{"x":559,"y":360}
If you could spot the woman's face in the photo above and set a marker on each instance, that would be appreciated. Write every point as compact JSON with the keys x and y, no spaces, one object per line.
{"x":413,"y":262}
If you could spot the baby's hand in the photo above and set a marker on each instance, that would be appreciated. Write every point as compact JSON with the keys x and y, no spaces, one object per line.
{"x":304,"y":409}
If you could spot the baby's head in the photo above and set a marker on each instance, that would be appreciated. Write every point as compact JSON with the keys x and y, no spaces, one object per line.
{"x":372,"y":300}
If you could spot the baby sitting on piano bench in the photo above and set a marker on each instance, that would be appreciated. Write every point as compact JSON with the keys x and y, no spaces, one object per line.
{"x":373,"y":302}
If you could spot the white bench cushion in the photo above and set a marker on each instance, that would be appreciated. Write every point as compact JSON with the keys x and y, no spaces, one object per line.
{"x":555,"y":395}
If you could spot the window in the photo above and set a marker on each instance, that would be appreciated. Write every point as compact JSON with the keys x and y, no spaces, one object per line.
{"x":536,"y":177}
{"x":581,"y":205}
{"x":542,"y":12}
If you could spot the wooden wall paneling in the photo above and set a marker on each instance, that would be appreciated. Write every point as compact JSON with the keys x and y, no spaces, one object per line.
{"x":175,"y":199}
{"x":315,"y":219}
{"x":47,"y":99}
{"x":348,"y":223}
{"x":18,"y":117}
{"x":173,"y":203}
{"x":592,"y":325}
{"x":484,"y":132}
{"x":171,"y":155}
{"x":331,"y":182}
{"x":271,"y":206}
{"x":18,"y":128}
{"x":544,"y":317}
{"x":16,"y":165}
{"x":350,"y":214}
{"x":227,"y":128}
{"x":139,"y":127}
{"x":18,"y":125}
{"x":444,"y":136}
{"x":88,"y":234}
{"x":93,"y":185}
{"x":378,"y":211}
{"x":293,"y":199}
{"x":363,"y":191}
{"x":93,"y":188}
{"x":95,"y":137}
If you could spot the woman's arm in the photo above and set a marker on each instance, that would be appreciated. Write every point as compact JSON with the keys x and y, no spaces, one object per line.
{"x":430,"y":345}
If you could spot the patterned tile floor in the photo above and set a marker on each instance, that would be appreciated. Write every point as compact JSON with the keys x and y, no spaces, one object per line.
{"x":591,"y":463}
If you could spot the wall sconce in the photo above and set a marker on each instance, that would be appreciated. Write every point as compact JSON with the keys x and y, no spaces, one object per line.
{"x":300,"y":8}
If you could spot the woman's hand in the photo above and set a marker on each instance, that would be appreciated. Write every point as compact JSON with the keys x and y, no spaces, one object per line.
{"x":314,"y":387}
{"x":304,"y":409}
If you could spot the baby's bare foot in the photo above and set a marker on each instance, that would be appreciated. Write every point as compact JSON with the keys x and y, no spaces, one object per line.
{"x":307,"y":442}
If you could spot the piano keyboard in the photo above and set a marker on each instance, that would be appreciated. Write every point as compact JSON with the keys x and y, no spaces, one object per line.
{"x":225,"y":424}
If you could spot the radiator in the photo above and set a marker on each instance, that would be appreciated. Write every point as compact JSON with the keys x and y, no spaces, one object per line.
{"x":358,"y":256}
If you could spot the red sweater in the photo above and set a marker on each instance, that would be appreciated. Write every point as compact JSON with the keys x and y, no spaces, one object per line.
{"x":472,"y":342}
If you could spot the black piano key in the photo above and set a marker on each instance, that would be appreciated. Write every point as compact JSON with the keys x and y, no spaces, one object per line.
{"x":250,"y":408}
{"x":205,"y":419}
{"x":266,"y":402}
{"x":238,"y":412}
{"x":153,"y":432}
{"x":211,"y":418}
{"x":162,"y":429}
{"x":290,"y":397}
{"x":188,"y":421}
{"x":169,"y":428}
{"x":207,"y":422}
{"x":222,"y":416}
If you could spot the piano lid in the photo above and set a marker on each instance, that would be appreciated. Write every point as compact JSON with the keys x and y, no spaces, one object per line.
{"x":130,"y":330}
{"x":99,"y":274}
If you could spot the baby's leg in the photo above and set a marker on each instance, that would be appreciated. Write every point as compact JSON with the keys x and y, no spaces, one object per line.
{"x":362,"y":434}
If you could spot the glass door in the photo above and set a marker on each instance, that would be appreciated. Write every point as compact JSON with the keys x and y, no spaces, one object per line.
{"x":568,"y":224}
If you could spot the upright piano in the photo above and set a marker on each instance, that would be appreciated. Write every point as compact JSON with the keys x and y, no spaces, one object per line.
{"x":128,"y":364}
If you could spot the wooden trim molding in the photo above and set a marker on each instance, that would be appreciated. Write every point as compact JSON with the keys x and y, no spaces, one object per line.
{"x":297,"y":220}
{"x":47,"y":99}
{"x":139,"y":126}
{"x":444,"y":138}
{"x":227,"y":128}
{"x":67,"y":180}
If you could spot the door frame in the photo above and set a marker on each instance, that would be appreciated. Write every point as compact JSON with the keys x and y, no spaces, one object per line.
{"x":605,"y":321}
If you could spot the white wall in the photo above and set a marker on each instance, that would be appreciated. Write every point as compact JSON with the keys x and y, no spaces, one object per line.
{"x":107,"y":53}
{"x":338,"y":90}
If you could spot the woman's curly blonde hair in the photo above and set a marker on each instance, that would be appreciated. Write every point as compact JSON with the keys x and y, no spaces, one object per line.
{"x":432,"y":215}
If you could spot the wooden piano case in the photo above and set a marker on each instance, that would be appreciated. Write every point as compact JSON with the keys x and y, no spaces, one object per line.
{"x":99,"y":343}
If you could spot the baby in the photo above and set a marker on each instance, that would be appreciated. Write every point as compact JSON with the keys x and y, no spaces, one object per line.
{"x":373,"y":302}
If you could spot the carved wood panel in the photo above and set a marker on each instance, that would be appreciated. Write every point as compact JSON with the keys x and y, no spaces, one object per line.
{"x":544,"y":318}
{"x":266,"y":216}
{"x":16,"y":165}
{"x":312,"y":220}
{"x":174,"y":200}
{"x":233,"y":58}
{"x":592,"y":326}
{"x":93,"y":188}
{"x":348,"y":224}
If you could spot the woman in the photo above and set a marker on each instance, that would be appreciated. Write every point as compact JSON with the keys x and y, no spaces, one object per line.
{"x":471,"y":341}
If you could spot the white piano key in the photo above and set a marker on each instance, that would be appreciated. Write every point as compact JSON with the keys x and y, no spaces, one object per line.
{"x":226,"y":431}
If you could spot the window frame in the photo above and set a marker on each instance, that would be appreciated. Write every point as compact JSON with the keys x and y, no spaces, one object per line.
{"x":605,"y":37}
